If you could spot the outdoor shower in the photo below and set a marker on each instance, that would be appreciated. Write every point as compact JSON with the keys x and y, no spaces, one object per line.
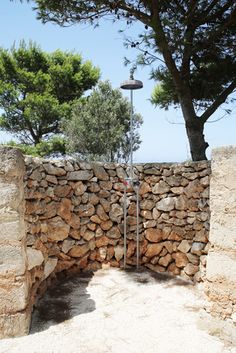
{"x":131,"y":180}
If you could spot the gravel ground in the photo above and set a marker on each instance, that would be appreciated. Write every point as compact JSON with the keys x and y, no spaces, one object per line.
{"x":115,"y":311}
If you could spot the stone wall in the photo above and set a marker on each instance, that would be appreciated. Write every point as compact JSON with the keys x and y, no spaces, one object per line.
{"x":14,"y":285}
{"x":74,"y":218}
{"x":68,"y":216}
{"x":221,"y":265}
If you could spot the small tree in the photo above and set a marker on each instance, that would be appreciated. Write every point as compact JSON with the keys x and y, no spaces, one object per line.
{"x":100,"y":126}
{"x":37,"y":90}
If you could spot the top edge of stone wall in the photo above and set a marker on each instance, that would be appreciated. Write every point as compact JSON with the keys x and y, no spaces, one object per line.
{"x":110,"y":165}
{"x":12,"y":163}
{"x":224,"y":152}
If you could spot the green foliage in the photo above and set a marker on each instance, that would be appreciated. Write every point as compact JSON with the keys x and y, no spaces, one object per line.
{"x":190,"y":44}
{"x":206,"y":83}
{"x":56,"y":145}
{"x":37,"y":90}
{"x":99,"y":128}
{"x":164,"y":93}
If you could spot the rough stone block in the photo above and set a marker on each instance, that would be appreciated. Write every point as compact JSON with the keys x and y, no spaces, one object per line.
{"x":223,"y":181}
{"x":222,"y":199}
{"x":191,"y":269}
{"x":12,"y":259}
{"x":8,"y":215}
{"x":197,"y":248}
{"x":12,"y":325}
{"x":35,"y":258}
{"x":184,"y":246}
{"x":119,"y":252}
{"x":222,"y":231}
{"x":154,"y":235}
{"x":181,"y":259}
{"x":12,"y":230}
{"x":153,"y":250}
{"x":166,"y":204}
{"x":50,"y":169}
{"x":80,"y":175}
{"x":114,"y":233}
{"x":13,"y":295}
{"x":11,"y":162}
{"x":67,"y":245}
{"x":57,"y":229}
{"x":10,"y":195}
{"x":49,"y":266}
{"x":100,"y":172}
{"x":221,"y":266}
{"x":85,"y":165}
{"x":79,"y":251}
{"x":161,"y":188}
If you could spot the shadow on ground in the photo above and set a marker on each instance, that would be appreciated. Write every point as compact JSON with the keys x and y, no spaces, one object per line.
{"x":145,"y":276}
{"x":70,"y":297}
{"x":67,"y":299}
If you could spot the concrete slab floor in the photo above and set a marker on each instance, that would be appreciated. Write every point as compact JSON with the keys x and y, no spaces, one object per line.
{"x":117,"y":311}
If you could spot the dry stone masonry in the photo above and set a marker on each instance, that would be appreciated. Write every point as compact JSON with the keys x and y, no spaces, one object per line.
{"x":14,"y":284}
{"x":67,"y":216}
{"x":74,"y":218}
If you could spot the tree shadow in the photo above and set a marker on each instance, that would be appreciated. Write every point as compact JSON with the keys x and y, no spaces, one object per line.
{"x":145,"y":276}
{"x":70,"y":298}
{"x":62,"y":302}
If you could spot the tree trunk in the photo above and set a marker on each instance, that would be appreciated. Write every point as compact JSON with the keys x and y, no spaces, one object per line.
{"x":193,"y":124}
{"x":36,"y":138}
{"x":198,"y":145}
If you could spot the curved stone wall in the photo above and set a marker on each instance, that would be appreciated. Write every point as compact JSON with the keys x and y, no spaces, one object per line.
{"x":66,"y":216}
{"x":74,"y":217}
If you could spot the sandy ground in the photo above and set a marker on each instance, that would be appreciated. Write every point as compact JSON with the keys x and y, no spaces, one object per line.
{"x":115,"y":311}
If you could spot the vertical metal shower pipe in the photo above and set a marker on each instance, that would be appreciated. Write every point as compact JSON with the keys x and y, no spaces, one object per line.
{"x":125,"y":225}
{"x":131,"y":137}
{"x":134,"y":185}
{"x":131,"y":85}
{"x":137,"y":228}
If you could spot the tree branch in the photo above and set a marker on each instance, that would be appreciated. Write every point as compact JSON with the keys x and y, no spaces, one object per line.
{"x":188,"y":37}
{"x":207,"y":17}
{"x":180,"y":8}
{"x":161,"y":42}
{"x":191,"y":9}
{"x":143,"y":17}
{"x":210,"y":7}
{"x":231,"y":19}
{"x":219,"y":100}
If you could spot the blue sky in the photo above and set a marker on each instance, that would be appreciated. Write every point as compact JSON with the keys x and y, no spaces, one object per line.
{"x":163,"y":133}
